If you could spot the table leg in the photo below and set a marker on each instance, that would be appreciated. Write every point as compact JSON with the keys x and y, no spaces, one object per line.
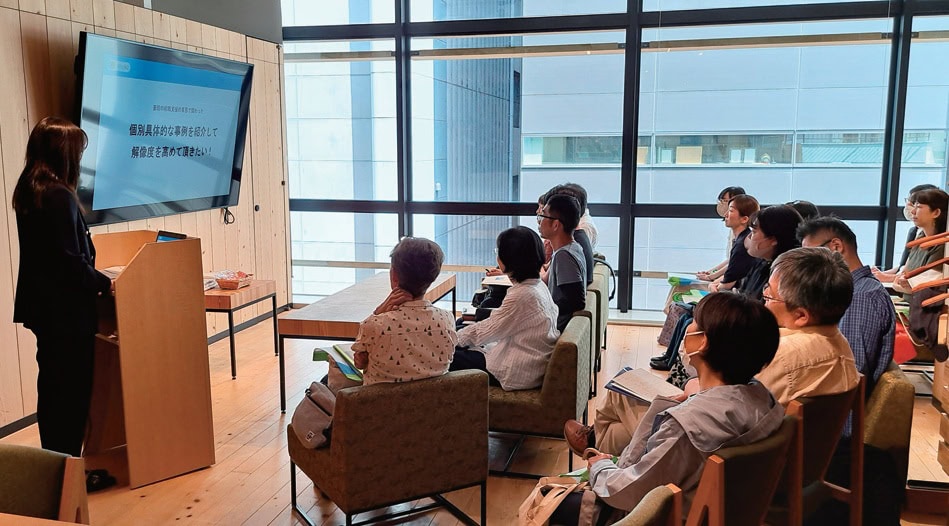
{"x":454,"y":311}
{"x":283,"y":385}
{"x":230,"y":330}
{"x":275,"y":332}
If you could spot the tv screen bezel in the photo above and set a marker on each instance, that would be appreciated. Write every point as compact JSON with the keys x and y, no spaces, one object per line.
{"x":166,"y":55}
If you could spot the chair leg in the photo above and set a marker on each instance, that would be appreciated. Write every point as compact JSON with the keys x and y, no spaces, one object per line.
{"x":349,"y":520}
{"x":293,"y":496}
{"x":484,"y":503}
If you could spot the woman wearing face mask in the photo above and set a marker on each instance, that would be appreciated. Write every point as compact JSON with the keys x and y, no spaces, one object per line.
{"x":887,"y":276}
{"x":929,"y":216}
{"x":729,"y":342}
{"x":773,"y":232}
{"x":721,"y":208}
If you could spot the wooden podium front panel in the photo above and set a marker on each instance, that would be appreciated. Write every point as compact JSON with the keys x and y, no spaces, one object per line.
{"x":164,"y":362}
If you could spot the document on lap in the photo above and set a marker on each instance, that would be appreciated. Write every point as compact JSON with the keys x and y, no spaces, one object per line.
{"x":343,"y":356}
{"x":641,"y":384}
{"x":501,"y":281}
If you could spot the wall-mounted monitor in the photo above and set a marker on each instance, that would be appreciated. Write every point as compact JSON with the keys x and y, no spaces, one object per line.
{"x":166,"y":129}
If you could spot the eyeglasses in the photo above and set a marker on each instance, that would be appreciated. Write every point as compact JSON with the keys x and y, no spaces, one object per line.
{"x":909,"y":203}
{"x":825,"y":243}
{"x":540,"y":218}
{"x":766,"y":297}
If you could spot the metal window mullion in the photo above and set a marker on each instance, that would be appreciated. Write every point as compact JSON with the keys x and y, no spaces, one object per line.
{"x":893,"y":132}
{"x":403,"y":103}
{"x":627,"y":230}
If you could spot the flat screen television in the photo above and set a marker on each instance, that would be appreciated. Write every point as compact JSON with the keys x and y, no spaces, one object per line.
{"x":166,"y":129}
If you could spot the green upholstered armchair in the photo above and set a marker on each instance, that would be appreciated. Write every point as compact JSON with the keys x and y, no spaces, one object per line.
{"x":40,"y":483}
{"x":563,"y":395}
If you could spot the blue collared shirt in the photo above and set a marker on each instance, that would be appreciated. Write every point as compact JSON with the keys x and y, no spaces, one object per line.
{"x":869,"y":326}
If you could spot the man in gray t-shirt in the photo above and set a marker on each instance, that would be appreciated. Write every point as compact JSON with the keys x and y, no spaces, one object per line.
{"x":566,"y":275}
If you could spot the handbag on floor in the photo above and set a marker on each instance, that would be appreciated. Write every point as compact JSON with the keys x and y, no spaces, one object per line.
{"x":549,"y":494}
{"x":314,"y":415}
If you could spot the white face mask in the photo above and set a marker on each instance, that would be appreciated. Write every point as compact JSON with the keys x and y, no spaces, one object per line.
{"x":721,"y":208}
{"x":686,"y":357}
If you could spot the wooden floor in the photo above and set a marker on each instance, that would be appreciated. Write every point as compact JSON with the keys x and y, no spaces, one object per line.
{"x":250,"y":483}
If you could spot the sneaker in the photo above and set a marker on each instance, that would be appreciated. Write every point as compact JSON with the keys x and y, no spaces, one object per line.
{"x":579,"y":436}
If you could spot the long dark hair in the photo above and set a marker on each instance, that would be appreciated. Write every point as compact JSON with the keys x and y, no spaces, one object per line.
{"x":52,"y":158}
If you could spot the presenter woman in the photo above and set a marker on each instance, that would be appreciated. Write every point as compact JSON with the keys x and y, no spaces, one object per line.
{"x":57,"y":283}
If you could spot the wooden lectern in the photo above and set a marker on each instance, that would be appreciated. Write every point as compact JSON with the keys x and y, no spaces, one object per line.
{"x":151,"y":400}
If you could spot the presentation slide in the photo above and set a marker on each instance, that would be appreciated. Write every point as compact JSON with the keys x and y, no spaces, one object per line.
{"x":166,"y":133}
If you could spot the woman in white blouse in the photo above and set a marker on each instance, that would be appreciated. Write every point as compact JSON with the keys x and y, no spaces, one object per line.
{"x":514,"y":344}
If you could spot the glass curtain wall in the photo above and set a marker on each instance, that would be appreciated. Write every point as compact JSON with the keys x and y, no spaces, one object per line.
{"x":494,"y":102}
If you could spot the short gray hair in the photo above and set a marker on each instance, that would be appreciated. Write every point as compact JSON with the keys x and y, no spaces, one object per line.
{"x":817,"y":280}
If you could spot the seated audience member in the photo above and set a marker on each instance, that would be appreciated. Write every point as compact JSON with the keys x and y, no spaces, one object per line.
{"x":886,"y":276}
{"x":407,"y":338}
{"x":581,"y":236}
{"x":586,"y":221}
{"x":773,"y":232}
{"x":869,"y":324}
{"x":929,"y":216}
{"x":515,"y":343}
{"x":566,"y":276}
{"x":721,"y":208}
{"x":729,"y":341}
{"x":808,"y":292}
{"x":807,"y":209}
{"x":740,"y":210}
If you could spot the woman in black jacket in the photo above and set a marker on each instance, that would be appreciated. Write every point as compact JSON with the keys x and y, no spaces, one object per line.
{"x":57,"y":282}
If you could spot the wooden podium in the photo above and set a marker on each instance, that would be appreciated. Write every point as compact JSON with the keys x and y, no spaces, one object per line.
{"x":150,"y":416}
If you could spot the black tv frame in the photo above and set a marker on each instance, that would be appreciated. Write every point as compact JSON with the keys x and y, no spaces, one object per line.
{"x":177,"y":57}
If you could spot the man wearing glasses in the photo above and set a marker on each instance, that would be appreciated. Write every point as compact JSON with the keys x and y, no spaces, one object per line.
{"x":566,"y":276}
{"x":808,"y":292}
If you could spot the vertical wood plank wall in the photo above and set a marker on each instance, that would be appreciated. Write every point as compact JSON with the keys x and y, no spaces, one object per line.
{"x":38,"y":44}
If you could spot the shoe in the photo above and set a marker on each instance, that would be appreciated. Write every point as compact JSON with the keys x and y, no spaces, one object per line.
{"x":98,"y":479}
{"x":660,"y":366}
{"x":579,"y":436}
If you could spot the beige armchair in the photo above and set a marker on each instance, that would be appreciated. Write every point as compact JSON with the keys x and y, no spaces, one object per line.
{"x":394,"y":443}
{"x":40,"y":483}
{"x":563,"y":395}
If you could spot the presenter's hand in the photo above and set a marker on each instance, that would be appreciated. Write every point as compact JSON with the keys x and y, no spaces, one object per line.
{"x":361,"y":359}
{"x":884,"y":277}
{"x":396,"y":297}
{"x":901,"y":283}
{"x":493,"y":271}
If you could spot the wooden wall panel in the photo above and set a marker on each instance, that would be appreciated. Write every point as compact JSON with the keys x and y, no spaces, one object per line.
{"x":13,"y":132}
{"x":103,"y":14}
{"x":58,"y":9}
{"x":39,"y":96}
{"x":38,"y":42}
{"x":11,"y":397}
{"x":82,"y":11}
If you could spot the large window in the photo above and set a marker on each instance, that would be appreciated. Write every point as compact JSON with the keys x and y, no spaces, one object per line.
{"x":341,"y":127}
{"x":488,"y":107}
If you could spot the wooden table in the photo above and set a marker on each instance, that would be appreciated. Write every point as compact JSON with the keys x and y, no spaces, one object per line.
{"x":337,"y":317}
{"x":22,"y":520}
{"x":229,"y":301}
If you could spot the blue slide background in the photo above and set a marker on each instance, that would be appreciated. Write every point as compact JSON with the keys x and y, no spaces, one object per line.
{"x":140,"y":92}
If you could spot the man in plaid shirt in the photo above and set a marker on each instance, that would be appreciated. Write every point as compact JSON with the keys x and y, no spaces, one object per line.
{"x":870,"y":323}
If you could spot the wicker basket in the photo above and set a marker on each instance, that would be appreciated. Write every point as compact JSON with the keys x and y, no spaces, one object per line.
{"x":234,"y":284}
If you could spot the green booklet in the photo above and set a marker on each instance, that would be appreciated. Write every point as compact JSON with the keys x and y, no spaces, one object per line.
{"x":343,"y":356}
{"x":583,"y":474}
